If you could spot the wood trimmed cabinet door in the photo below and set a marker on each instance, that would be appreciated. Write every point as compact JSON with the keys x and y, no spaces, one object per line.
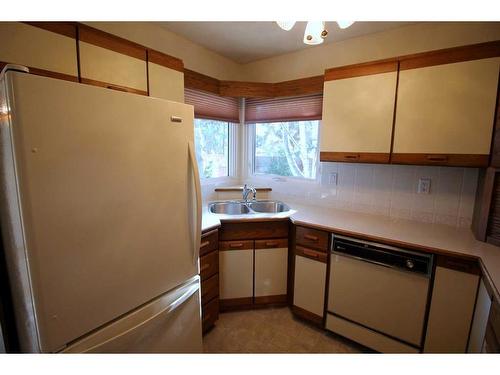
{"x":452,"y":306}
{"x":358,"y":112}
{"x":445,"y":113}
{"x":310,"y":269}
{"x":48,"y":53}
{"x":271,"y":266}
{"x":112,"y":62}
{"x":236,"y":273}
{"x":166,"y":77}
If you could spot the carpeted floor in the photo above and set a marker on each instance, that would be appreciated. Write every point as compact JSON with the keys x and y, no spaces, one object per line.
{"x":273,"y":330}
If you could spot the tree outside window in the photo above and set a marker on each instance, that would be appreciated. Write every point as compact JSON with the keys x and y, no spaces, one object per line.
{"x":212,"y":147}
{"x":287,"y":148}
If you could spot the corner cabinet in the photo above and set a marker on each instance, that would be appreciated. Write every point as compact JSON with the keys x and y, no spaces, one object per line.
{"x":445,"y":113}
{"x":253,"y":262}
{"x":358,"y":108}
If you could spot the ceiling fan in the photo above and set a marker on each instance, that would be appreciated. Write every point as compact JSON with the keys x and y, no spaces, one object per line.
{"x":315,"y":30}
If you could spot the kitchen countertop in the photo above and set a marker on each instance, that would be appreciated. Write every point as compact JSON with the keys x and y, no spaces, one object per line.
{"x":436,"y":238}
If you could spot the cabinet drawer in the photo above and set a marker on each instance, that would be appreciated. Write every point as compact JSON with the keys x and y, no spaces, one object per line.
{"x":311,"y":254}
{"x":313,"y":238}
{"x":235,"y":245}
{"x":254,"y":230}
{"x":209,"y":289}
{"x":458,"y":264}
{"x":209,"y":265}
{"x":209,"y":314}
{"x":272,"y":244}
{"x":209,"y":242}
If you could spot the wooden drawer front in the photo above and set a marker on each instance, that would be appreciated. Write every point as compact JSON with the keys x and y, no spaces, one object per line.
{"x":458,"y":264}
{"x":209,"y":265}
{"x":311,"y":254}
{"x":209,"y":242}
{"x":209,"y":289}
{"x":38,"y":48}
{"x":271,"y":244}
{"x":235,"y":245}
{"x":313,"y":238}
{"x":210,"y":314}
{"x":449,"y":160}
{"x":248,"y":231}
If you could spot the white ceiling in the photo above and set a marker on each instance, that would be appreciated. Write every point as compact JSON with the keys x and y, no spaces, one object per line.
{"x":245,"y":42}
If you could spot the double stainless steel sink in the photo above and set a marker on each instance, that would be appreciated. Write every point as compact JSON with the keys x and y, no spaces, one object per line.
{"x":250,"y":207}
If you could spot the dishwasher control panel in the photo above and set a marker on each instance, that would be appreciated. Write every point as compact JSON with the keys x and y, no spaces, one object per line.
{"x":383,"y":255}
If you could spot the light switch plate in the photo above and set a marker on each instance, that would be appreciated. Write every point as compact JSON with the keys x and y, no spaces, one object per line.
{"x":424,"y":186}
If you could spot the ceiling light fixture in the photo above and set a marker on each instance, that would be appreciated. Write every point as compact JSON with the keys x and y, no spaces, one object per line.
{"x":315,"y":30}
{"x":286,"y":25}
{"x":344,"y":24}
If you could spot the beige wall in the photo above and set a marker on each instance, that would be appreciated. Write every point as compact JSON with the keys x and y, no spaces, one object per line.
{"x":195,"y":57}
{"x":400,"y":41}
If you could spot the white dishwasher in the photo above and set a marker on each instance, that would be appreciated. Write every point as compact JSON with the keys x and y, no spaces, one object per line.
{"x":378,"y":295}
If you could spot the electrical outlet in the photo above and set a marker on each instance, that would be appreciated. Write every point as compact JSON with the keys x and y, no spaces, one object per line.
{"x":333,"y":178}
{"x":424,"y":186}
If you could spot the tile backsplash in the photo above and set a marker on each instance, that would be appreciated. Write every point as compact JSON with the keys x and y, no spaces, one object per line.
{"x":389,"y":190}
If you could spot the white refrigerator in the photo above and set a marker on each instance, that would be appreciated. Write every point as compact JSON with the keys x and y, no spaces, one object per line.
{"x":100,"y":218}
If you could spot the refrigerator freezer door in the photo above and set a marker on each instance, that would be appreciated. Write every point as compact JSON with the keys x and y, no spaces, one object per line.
{"x":169,"y":324}
{"x":105,"y":191}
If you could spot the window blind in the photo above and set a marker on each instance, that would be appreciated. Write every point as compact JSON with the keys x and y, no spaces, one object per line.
{"x":308,"y":107}
{"x":211,"y":106}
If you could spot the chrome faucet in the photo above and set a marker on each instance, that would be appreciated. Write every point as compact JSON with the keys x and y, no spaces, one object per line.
{"x":246,"y":191}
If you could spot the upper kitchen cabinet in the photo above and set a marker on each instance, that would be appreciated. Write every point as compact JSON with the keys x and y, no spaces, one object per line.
{"x":47,"y":48}
{"x":358,"y":108}
{"x":166,"y":76}
{"x":445,"y":112}
{"x":112,"y":62}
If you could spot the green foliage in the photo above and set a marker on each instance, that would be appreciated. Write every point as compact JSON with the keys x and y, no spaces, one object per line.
{"x":212,"y":147}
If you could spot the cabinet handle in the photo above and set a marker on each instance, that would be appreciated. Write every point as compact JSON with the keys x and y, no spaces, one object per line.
{"x":310,"y":253}
{"x":311,"y":237}
{"x":204,"y":267}
{"x":233,"y":245}
{"x":271,"y":244}
{"x":175,"y":119}
{"x":203,"y":244}
{"x":436,"y":158}
{"x":353,"y":157}
{"x":116,"y":88}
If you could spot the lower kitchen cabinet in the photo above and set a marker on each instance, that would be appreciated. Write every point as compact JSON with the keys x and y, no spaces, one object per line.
{"x":209,"y":273}
{"x":309,"y":273}
{"x":309,"y":287}
{"x":236,"y":272}
{"x":452,"y":306}
{"x":271,"y":265}
{"x":481,"y":314}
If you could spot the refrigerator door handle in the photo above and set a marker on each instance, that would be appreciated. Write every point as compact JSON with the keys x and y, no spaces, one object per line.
{"x":185,"y":292}
{"x":197,"y":185}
